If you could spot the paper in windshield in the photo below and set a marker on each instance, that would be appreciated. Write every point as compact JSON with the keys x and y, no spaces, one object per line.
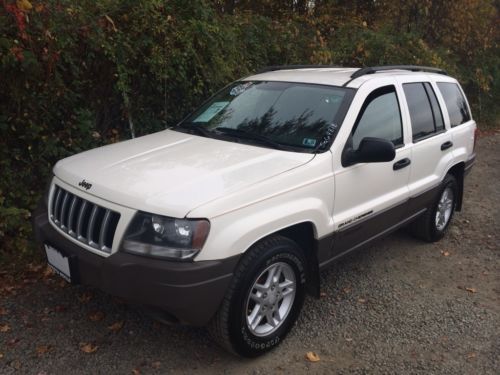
{"x":211,"y":111}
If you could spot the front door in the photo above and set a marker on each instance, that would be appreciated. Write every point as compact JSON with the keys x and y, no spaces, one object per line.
{"x":370,"y":198}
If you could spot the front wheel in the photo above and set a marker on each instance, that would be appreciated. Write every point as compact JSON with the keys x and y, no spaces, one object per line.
{"x":264,"y":299}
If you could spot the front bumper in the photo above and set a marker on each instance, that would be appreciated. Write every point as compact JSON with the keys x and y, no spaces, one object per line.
{"x":189,"y":292}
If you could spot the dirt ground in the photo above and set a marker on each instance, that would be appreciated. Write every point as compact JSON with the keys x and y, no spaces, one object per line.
{"x":402,"y":306}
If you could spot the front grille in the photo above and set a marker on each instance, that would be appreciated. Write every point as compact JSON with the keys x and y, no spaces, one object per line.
{"x":85,"y":221}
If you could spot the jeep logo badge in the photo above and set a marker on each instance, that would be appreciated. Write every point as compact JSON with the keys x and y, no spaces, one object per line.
{"x":84,"y":184}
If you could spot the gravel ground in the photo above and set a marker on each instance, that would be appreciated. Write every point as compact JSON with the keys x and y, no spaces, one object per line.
{"x":401,"y":306}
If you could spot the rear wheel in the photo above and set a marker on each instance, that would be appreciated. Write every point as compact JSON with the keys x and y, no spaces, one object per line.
{"x":264,"y":299}
{"x":432,"y":226}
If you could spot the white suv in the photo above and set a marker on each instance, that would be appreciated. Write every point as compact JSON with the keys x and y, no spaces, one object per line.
{"x":226,"y":219}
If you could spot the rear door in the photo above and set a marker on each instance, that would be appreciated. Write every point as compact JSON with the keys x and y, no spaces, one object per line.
{"x":432,"y":146}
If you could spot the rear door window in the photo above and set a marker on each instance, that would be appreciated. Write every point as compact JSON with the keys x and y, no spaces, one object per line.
{"x":455,"y":103}
{"x":425,"y":113}
{"x":436,"y":109}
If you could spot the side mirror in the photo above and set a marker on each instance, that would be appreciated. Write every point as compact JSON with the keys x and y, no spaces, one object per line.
{"x":371,"y":150}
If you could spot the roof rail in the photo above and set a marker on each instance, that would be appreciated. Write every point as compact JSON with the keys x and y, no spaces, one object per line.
{"x":290,"y":67}
{"x":413,"y":68}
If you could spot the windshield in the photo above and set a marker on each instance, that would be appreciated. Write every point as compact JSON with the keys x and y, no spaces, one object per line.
{"x":302,"y":116}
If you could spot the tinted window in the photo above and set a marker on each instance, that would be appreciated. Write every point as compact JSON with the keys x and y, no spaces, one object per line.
{"x":455,"y":103}
{"x":380,"y":117}
{"x":436,"y":109}
{"x":421,"y":115}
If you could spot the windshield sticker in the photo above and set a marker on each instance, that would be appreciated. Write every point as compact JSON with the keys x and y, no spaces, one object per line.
{"x":309,"y":142}
{"x":211,"y":111}
{"x":237,"y":90}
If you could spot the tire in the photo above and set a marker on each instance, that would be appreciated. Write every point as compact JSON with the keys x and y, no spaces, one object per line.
{"x":231,"y":327}
{"x":432,"y":225}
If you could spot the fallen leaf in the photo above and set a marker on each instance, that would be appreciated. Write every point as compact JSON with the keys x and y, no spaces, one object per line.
{"x":136,"y":371}
{"x":322,"y":295}
{"x":88,"y":348}
{"x":445,"y":253}
{"x":471,"y":355}
{"x":62,"y":283}
{"x":115,"y":327}
{"x":4,"y":328}
{"x":96,"y":316}
{"x":48,"y":272}
{"x":1,"y":355}
{"x":471,"y":290}
{"x":42,"y":349}
{"x":312,"y":357}
{"x":85,"y":297}
{"x":35,"y":268}
{"x":156,"y":365}
{"x":361,"y":300}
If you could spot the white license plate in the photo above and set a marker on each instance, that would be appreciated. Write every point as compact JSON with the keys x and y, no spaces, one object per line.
{"x":58,"y":262}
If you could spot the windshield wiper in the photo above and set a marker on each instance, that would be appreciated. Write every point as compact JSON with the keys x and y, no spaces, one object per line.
{"x":250,"y":136}
{"x":196,"y":129}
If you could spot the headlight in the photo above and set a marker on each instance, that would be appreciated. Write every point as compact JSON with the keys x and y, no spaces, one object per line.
{"x":165,"y":237}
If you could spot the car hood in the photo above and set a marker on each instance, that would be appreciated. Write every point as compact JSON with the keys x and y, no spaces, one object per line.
{"x":171,"y":173}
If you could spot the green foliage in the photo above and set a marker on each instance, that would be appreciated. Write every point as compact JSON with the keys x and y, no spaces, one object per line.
{"x":76,"y":75}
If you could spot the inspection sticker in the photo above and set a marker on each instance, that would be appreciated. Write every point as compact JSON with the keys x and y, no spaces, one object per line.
{"x":309,"y":142}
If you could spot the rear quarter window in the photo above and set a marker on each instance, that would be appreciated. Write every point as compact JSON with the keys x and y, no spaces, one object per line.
{"x":455,"y":103}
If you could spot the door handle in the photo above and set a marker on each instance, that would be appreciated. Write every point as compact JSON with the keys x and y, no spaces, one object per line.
{"x":446,"y":145}
{"x":401,"y":164}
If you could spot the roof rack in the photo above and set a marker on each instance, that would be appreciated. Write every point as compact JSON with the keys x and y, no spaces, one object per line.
{"x":290,"y":67}
{"x":412,"y":68}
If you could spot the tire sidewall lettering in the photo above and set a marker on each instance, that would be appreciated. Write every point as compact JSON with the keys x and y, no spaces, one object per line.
{"x":259,"y":344}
